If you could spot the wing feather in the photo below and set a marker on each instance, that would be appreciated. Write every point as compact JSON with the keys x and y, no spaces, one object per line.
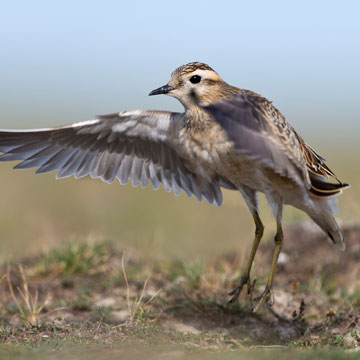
{"x":145,"y":176}
{"x":86,"y":165}
{"x":133,"y":145}
{"x":260,"y":132}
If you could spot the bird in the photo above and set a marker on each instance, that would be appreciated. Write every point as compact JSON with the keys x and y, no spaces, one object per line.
{"x":227,"y":137}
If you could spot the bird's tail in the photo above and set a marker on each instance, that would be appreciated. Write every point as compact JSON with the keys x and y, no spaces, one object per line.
{"x":322,"y":188}
{"x":322,"y":212}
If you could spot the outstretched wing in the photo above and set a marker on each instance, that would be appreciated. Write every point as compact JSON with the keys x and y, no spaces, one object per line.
{"x":131,"y":145}
{"x":259,"y":131}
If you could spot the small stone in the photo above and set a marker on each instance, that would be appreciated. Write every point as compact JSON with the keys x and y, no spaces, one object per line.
{"x":121,"y":316}
{"x":105,"y":302}
{"x":183,"y":328}
{"x":283,"y":258}
{"x":350,"y":340}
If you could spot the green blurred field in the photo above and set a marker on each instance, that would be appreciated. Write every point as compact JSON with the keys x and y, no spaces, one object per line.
{"x":39,"y":212}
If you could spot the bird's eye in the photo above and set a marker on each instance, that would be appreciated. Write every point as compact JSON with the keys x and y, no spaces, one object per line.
{"x":195,"y":79}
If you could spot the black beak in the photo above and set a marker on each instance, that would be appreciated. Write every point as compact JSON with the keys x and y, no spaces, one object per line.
{"x":162,"y":90}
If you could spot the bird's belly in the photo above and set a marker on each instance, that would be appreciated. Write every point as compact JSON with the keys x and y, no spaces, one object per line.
{"x":211,"y":154}
{"x":213,"y":159}
{"x":242,"y":171}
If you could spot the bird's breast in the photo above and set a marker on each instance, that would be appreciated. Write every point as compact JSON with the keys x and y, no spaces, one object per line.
{"x":209,"y":153}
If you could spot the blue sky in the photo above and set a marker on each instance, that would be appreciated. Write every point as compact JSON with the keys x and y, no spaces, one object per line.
{"x":65,"y":61}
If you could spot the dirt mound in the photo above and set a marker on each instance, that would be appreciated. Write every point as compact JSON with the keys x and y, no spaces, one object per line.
{"x":307,"y":252}
{"x":317,"y":293}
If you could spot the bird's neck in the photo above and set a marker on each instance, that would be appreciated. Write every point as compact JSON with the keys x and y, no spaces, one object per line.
{"x":197,"y":119}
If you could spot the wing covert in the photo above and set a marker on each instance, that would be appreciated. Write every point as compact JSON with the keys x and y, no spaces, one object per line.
{"x":259,"y":131}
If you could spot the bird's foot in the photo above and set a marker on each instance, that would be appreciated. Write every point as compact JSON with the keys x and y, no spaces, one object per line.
{"x":266,"y":297}
{"x":235,"y":293}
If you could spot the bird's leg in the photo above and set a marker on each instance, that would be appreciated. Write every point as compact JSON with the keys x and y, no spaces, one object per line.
{"x":267,"y":295}
{"x":245,"y":278}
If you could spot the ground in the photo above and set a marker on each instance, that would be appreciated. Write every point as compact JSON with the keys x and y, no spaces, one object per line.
{"x":95,"y":293}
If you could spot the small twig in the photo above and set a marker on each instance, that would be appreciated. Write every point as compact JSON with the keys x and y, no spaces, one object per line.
{"x":268,"y":347}
{"x":134,"y":308}
{"x":153,"y":297}
{"x":138,"y":302}
{"x":126,"y":282}
{"x":238,"y":343}
{"x":54,"y":310}
{"x":8,"y":278}
{"x":26,"y":296}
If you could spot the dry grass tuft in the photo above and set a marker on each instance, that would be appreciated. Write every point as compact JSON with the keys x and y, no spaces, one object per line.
{"x":27,"y":304}
{"x":137,"y":308}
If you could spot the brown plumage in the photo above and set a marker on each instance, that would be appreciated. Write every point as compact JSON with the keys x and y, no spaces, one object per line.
{"x":318,"y":169}
{"x":227,"y":138}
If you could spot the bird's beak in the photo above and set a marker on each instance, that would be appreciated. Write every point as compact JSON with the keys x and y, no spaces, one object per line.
{"x":162,"y":90}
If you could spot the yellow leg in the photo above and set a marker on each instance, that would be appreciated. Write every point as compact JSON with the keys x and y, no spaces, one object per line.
{"x":245,"y":278}
{"x":267,"y":295}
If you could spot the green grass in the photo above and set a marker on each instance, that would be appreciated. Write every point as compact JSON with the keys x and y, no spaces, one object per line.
{"x":181,"y":307}
{"x":74,"y":258}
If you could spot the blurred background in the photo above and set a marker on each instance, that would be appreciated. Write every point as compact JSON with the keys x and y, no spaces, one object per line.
{"x":66,"y":61}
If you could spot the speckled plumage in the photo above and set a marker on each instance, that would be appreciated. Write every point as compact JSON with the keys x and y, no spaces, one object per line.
{"x":227,"y":138}
{"x":189,"y":68}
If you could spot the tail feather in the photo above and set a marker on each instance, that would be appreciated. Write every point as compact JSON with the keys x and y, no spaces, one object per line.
{"x":323,"y":215}
{"x":321,"y":188}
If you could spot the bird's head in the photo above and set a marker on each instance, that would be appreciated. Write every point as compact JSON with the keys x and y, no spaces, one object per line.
{"x":193,"y":77}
